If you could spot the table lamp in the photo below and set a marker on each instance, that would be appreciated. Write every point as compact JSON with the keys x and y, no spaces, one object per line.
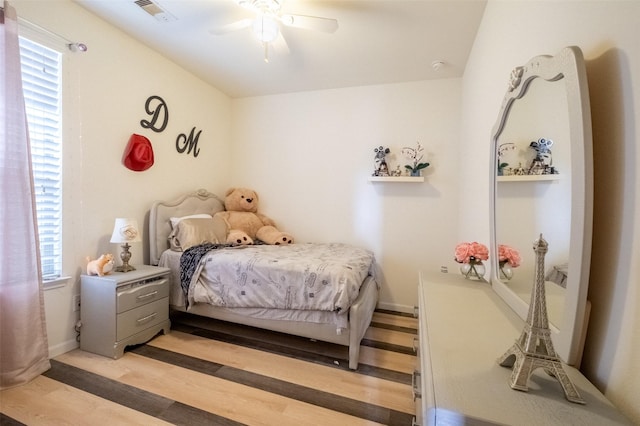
{"x":125,"y":231}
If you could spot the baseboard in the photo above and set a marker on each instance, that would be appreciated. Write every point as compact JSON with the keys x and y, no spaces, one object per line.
{"x":63,"y":347}
{"x":396,"y":307}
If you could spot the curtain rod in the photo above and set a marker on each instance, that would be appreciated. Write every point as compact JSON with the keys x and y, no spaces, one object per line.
{"x":71,"y":45}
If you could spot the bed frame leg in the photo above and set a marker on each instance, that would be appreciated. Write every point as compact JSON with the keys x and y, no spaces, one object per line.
{"x":360,"y":318}
{"x":354,"y":356}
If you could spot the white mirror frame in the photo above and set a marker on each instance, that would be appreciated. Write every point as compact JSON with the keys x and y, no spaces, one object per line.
{"x":568,"y":337}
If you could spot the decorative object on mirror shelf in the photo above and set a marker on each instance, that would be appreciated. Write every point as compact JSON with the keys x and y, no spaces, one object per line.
{"x":503,"y":150}
{"x":125,"y":231}
{"x":508,"y":258}
{"x":534,"y":349}
{"x":471,"y":255}
{"x":539,"y":164}
{"x":380,"y":163}
{"x":414,"y":155}
{"x":542,"y":163}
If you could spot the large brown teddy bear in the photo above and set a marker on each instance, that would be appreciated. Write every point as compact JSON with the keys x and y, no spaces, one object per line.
{"x":245,"y":223}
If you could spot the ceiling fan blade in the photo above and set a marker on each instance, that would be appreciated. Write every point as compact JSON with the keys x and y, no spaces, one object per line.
{"x":235,"y":26}
{"x":326,"y":25}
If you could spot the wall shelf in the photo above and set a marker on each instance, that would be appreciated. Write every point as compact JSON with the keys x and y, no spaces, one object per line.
{"x":396,"y":178}
{"x":527,"y":178}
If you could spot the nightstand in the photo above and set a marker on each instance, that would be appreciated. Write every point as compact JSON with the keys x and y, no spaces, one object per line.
{"x":123,"y":308}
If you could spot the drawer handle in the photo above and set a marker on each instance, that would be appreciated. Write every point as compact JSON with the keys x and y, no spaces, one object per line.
{"x":415,"y":383}
{"x":414,"y":421}
{"x":416,"y":312}
{"x":147,"y":318}
{"x":415,"y":344}
{"x":144,"y":296}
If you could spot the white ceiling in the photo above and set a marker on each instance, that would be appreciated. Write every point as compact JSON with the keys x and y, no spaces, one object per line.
{"x":377,"y":42}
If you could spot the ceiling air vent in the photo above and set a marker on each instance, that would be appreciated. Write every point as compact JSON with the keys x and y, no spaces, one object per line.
{"x":155,"y":10}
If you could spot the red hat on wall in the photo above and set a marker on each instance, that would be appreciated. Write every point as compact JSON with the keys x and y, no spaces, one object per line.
{"x":138,"y":155}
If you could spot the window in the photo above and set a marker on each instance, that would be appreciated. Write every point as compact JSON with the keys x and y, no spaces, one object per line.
{"x":41,"y":80}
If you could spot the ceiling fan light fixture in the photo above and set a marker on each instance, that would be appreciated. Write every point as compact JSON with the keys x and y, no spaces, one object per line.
{"x":266,"y":29}
{"x":270,"y":6}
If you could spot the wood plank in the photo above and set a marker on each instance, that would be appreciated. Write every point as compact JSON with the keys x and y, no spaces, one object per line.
{"x":400,"y":362}
{"x":223,"y":397}
{"x":248,"y":377}
{"x":398,"y":320}
{"x":345,"y":383}
{"x":44,"y":401}
{"x":390,"y":336}
{"x":312,"y":351}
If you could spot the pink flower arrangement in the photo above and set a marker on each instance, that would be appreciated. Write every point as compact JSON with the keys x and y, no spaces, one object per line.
{"x":507,"y":254}
{"x":471,"y":252}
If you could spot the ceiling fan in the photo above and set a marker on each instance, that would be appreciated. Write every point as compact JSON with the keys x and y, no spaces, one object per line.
{"x":266,"y":24}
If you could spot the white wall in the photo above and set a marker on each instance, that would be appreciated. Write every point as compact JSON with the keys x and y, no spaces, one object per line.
{"x":513,"y":32}
{"x":110,"y":84}
{"x":309,"y":156}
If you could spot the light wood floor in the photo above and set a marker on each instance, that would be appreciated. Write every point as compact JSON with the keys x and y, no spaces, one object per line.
{"x":207,"y":372}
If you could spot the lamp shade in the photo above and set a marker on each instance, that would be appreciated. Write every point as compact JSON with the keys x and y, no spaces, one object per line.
{"x":125,"y":230}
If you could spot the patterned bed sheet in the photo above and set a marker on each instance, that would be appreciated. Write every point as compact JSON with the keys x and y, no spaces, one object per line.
{"x":321,"y":277}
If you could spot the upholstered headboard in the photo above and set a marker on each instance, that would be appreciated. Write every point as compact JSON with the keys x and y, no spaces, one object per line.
{"x":201,"y":201}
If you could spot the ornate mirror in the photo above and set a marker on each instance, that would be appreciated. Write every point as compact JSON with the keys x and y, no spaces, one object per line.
{"x":541,"y":182}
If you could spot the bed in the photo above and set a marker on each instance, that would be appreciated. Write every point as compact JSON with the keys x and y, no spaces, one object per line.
{"x":240,"y":284}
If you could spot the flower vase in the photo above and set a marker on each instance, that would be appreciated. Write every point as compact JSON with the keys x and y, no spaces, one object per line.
{"x":415,"y":173}
{"x":506,"y":271}
{"x":473,"y":270}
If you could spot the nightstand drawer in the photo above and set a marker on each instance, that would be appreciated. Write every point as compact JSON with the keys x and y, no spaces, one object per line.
{"x":141,"y":294}
{"x":136,"y":320}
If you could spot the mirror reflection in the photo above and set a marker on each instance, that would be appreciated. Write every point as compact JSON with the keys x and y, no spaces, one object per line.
{"x":542,"y":183}
{"x":533,"y":193}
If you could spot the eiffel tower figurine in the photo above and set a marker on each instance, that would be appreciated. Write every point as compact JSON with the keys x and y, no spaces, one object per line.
{"x":534,"y":348}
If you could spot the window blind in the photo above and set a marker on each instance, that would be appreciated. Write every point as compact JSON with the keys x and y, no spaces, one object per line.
{"x":41,"y":80}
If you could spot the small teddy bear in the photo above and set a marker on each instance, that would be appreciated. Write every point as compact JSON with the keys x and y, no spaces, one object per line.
{"x":243,"y":220}
{"x":100,"y":266}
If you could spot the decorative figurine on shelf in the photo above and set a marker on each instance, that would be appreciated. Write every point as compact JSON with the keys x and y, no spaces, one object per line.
{"x":414,"y":155}
{"x":380,"y":164}
{"x":542,"y":163}
{"x":534,"y":349}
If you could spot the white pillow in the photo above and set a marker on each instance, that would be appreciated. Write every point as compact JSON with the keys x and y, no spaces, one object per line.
{"x":194,"y":231}
{"x":175,"y":220}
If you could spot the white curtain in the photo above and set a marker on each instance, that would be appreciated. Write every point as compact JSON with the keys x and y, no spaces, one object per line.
{"x":24,"y":350}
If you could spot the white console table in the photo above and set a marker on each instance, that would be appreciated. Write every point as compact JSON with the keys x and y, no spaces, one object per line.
{"x":463,"y":328}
